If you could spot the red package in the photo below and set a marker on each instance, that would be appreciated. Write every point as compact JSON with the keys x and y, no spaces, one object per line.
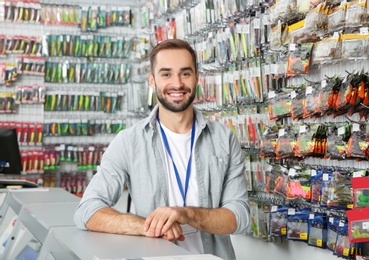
{"x":358,"y":225}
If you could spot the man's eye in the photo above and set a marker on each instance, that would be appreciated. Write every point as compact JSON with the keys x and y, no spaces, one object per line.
{"x":186,"y":74}
{"x":165,"y":75}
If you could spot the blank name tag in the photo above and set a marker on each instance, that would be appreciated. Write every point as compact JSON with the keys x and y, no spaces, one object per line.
{"x":187,"y":229}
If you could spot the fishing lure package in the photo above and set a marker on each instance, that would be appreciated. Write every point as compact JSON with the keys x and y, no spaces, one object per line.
{"x":298,"y":224}
{"x":339,"y":192}
{"x":333,"y":224}
{"x":358,"y":225}
{"x":316,"y":185}
{"x":299,"y":59}
{"x":343,"y":246}
{"x":298,"y":184}
{"x":269,"y":142}
{"x":298,"y":98}
{"x":317,"y":230}
{"x":279,"y":105}
{"x":286,"y":142}
{"x":278,"y":221}
{"x":336,"y":143}
{"x":326,"y":50}
{"x":358,"y":144}
{"x":360,"y":186}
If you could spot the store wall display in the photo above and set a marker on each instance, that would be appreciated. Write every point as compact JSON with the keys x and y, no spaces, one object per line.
{"x":49,"y":48}
{"x":293,"y":57}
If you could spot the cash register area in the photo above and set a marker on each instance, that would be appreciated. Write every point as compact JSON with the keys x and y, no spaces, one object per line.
{"x":37,"y":223}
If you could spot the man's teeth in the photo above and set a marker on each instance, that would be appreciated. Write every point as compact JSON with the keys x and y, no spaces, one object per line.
{"x":176,"y":94}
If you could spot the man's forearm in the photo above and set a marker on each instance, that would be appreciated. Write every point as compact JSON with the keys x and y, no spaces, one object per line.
{"x":213,"y":221}
{"x":109,"y":220}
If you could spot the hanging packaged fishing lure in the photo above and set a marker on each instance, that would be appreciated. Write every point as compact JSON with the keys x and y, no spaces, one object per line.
{"x":298,"y":224}
{"x":278,"y":221}
{"x":343,"y":246}
{"x":333,"y":224}
{"x":281,"y":180}
{"x":298,"y":100}
{"x":337,"y":17}
{"x":317,"y":230}
{"x":279,"y":105}
{"x":326,"y":50}
{"x":316,"y":184}
{"x":335,"y":141}
{"x":357,"y":144}
{"x":286,"y":142}
{"x":360,"y":186}
{"x":358,"y":230}
{"x":306,"y":140}
{"x":339,"y":192}
{"x":298,"y":184}
{"x":342,"y":101}
{"x":299,"y":59}
{"x":269,"y":142}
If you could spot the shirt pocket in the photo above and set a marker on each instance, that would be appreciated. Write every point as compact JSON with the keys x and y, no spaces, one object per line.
{"x":218,"y":169}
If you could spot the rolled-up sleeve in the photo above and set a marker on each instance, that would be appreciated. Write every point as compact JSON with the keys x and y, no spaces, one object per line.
{"x":106,"y":186}
{"x":235,"y":196}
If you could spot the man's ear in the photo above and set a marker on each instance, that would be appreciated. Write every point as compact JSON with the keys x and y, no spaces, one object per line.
{"x":151,"y":80}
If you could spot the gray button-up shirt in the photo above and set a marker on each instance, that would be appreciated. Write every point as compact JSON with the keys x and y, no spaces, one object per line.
{"x":135,"y":158}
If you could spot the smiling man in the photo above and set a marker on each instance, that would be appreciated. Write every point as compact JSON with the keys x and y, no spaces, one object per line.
{"x":183,"y":172}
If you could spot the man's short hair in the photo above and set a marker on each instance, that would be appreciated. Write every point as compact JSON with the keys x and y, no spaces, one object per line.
{"x":172,"y":44}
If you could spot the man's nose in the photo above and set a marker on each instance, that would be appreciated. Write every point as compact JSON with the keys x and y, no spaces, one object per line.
{"x":177,"y":81}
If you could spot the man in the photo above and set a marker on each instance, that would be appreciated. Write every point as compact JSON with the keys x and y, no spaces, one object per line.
{"x":183,"y":172}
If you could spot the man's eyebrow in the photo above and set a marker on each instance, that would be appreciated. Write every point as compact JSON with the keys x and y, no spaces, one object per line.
{"x":181,"y":69}
{"x":187,"y":68}
{"x":164,"y":69}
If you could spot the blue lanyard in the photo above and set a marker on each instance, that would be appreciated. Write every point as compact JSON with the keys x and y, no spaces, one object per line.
{"x":188,"y":171}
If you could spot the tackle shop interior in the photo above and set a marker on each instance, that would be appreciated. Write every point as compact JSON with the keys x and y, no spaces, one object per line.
{"x":290,"y":78}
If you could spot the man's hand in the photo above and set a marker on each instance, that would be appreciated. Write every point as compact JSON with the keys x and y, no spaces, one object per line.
{"x":166,"y":221}
{"x":174,"y":233}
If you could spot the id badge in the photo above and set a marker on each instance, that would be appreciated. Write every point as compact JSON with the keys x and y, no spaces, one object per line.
{"x":187,"y":229}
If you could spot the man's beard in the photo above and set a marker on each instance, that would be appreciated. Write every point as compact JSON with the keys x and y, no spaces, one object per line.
{"x":176,"y":106}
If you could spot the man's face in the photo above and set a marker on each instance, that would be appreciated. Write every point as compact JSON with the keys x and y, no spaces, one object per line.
{"x":174,"y":79}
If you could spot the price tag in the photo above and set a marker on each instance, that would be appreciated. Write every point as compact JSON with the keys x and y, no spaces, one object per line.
{"x":331,"y":219}
{"x":281,"y":132}
{"x":256,"y":23}
{"x":346,"y":252}
{"x":284,"y":231}
{"x":303,"y":129}
{"x":341,"y":130}
{"x":366,"y":225}
{"x":291,"y":211}
{"x":309,"y":90}
{"x":323,"y":83}
{"x":355,"y":127}
{"x":358,"y":174}
{"x":267,"y":70}
{"x":292,"y":172}
{"x":292,"y":47}
{"x":293,"y":94}
{"x":274,"y":208}
{"x":303,"y":236}
{"x":311,"y":216}
{"x":325,"y":177}
{"x":364,"y":31}
{"x":312,"y":172}
{"x":319,"y":243}
{"x":266,"y":19}
{"x":271,"y":95}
